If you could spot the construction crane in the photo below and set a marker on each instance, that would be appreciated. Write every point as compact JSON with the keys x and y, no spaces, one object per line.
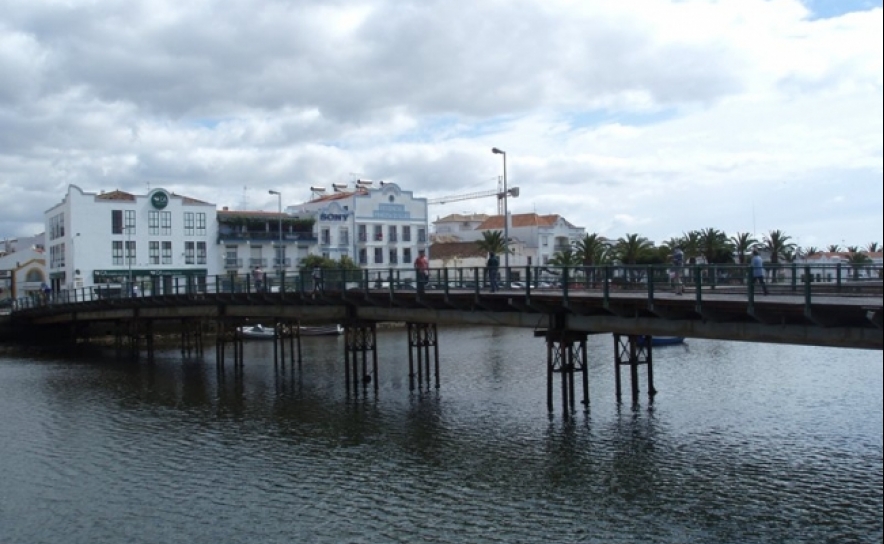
{"x":513,"y":191}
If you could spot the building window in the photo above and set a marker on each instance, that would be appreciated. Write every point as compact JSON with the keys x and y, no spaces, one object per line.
{"x":343,"y":236}
{"x":189,"y":224}
{"x":406,"y":255}
{"x":130,"y":252}
{"x":325,"y":236}
{"x":391,"y":233}
{"x":116,"y":221}
{"x":378,"y":255}
{"x":544,"y":241}
{"x":153,"y":223}
{"x":406,"y":233}
{"x":230,"y":258}
{"x":394,"y":256}
{"x":200,"y":225}
{"x":201,"y":253}
{"x":153,"y":251}
{"x":363,"y":256}
{"x":167,"y":252}
{"x":361,"y":232}
{"x":188,"y":252}
{"x":130,"y":221}
{"x":56,"y":226}
{"x":117,"y":253}
{"x":378,"y":233}
{"x":166,"y":223}
{"x":421,"y":236}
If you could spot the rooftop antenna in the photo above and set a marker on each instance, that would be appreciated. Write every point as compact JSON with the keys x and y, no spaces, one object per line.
{"x":245,"y":198}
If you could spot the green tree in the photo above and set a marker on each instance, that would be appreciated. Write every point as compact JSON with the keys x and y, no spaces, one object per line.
{"x":492,"y":242}
{"x":567,"y":257}
{"x":715,"y":246}
{"x":592,"y":251}
{"x":743,"y":242}
{"x":777,"y":244}
{"x":630,"y":250}
{"x":810,"y":251}
{"x":690,"y":245}
{"x":833,"y":248}
{"x":873,"y":247}
{"x":857,"y":261}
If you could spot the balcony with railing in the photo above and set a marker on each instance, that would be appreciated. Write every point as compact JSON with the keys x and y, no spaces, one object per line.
{"x":257,"y":262}
{"x":232,"y":264}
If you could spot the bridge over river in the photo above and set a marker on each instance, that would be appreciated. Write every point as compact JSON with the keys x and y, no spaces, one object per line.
{"x":844,"y":314}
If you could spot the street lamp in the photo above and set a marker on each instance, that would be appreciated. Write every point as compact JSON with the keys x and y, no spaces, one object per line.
{"x":506,"y":219}
{"x":281,"y":251}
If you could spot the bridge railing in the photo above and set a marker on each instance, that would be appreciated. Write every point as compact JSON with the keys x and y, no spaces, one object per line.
{"x":808,"y":281}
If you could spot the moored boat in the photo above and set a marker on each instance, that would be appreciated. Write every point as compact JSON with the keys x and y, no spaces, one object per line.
{"x":321,"y":330}
{"x":662,"y":340}
{"x":258,"y":332}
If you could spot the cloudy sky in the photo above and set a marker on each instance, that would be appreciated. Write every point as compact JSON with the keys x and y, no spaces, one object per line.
{"x":653,"y":117}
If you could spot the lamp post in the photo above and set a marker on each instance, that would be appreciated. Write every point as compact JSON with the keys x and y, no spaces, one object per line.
{"x":506,"y":220}
{"x":129,"y":255}
{"x":281,"y":251}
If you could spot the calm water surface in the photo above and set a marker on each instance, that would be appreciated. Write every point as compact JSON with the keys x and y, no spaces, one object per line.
{"x":743,"y":443}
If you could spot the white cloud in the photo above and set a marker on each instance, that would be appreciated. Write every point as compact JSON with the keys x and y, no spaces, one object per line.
{"x":640,"y":116}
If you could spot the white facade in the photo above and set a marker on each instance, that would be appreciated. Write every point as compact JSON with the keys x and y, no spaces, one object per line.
{"x":535,"y":237}
{"x":109,"y":238}
{"x":250,"y":239}
{"x":380,"y":228}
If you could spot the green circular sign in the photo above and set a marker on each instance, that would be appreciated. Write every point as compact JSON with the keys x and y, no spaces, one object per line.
{"x":159,"y":200}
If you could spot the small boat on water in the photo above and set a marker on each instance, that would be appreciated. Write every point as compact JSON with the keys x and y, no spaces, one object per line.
{"x":321,"y":330}
{"x":662,"y":340}
{"x":260,"y":332}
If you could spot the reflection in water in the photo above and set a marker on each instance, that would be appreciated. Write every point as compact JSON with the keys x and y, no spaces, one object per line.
{"x":744,"y":443}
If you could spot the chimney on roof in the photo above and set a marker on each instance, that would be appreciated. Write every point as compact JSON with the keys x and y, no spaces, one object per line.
{"x":225,"y":208}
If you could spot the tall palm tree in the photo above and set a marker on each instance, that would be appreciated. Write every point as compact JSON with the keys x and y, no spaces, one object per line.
{"x":873,"y":247}
{"x":833,"y":248}
{"x":567,"y":257}
{"x":777,"y":243}
{"x":592,"y":251}
{"x":858,"y":260}
{"x":715,"y":246}
{"x":492,"y":242}
{"x":810,"y":251}
{"x":853,"y":249}
{"x":630,"y":248}
{"x":690,"y":244}
{"x":743,"y":242}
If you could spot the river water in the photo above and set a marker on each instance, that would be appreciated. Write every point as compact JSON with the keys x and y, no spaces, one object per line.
{"x":743,"y":443}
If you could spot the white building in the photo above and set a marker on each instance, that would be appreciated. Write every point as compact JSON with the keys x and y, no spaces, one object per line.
{"x":380,"y":228}
{"x":535,"y":237}
{"x":251,"y":239}
{"x":109,"y":238}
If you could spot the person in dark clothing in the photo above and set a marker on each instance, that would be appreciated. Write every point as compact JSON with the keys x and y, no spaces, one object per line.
{"x":493,"y":266}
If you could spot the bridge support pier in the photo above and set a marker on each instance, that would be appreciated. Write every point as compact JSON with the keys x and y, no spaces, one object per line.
{"x":360,"y":339}
{"x":287,"y":331}
{"x":191,"y":337}
{"x":227,"y":334}
{"x":566,"y":355}
{"x":420,"y":337}
{"x":630,"y":351}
